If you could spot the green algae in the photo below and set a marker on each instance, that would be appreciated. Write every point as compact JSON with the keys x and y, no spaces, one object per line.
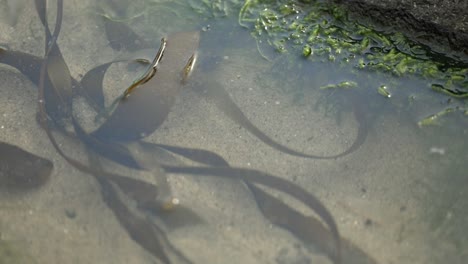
{"x":435,"y":119}
{"x":344,"y":84}
{"x":382,"y":90}
{"x":320,"y":31}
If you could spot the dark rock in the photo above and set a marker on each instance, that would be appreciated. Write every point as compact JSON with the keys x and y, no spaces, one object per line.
{"x":442,"y":24}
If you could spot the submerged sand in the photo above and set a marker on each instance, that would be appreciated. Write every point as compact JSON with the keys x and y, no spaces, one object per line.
{"x":386,"y":183}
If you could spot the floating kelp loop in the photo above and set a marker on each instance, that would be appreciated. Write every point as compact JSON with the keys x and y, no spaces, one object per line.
{"x":225,"y":103}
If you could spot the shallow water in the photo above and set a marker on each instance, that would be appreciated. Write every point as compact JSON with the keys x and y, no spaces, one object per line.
{"x":400,"y":197}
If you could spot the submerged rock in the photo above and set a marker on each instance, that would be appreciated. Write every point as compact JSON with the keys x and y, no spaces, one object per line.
{"x":444,"y":22}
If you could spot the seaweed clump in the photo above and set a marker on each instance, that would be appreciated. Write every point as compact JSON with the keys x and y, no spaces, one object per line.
{"x":321,"y":31}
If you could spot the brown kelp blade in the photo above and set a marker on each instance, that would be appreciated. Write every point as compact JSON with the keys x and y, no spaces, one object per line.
{"x":61,"y":80}
{"x":150,"y":72}
{"x":92,"y":86}
{"x":145,"y":194}
{"x":20,"y":169}
{"x":29,"y":65}
{"x":306,"y":228}
{"x":41,"y":9}
{"x":147,"y":234}
{"x":134,"y":226}
{"x":138,"y":190}
{"x":147,"y":108}
{"x":57,"y":69}
{"x":268,"y":180}
{"x":139,"y":229}
{"x":225,"y":103}
{"x":120,"y":153}
{"x":111,"y":150}
{"x":198,"y":155}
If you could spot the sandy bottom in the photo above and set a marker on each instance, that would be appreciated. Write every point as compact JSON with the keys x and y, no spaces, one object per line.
{"x":388,"y":181}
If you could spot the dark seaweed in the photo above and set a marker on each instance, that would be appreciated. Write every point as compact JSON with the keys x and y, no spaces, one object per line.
{"x":138,"y":229}
{"x":224,"y":102}
{"x":147,"y":234}
{"x":94,"y":96}
{"x":55,"y":84}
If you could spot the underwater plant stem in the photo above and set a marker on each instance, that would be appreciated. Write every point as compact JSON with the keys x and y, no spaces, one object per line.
{"x":242,"y":13}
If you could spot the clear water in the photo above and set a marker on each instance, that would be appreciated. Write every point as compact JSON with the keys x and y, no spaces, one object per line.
{"x":399,"y":198}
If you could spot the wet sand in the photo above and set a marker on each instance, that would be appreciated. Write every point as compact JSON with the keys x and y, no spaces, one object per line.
{"x":387,"y":181}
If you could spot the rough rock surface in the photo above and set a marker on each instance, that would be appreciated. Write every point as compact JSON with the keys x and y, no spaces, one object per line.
{"x":443,"y":23}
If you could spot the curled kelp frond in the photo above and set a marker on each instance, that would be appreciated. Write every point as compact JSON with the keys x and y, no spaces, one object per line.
{"x":142,"y":113}
{"x":91,"y":85}
{"x":150,"y":72}
{"x":224,"y":102}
